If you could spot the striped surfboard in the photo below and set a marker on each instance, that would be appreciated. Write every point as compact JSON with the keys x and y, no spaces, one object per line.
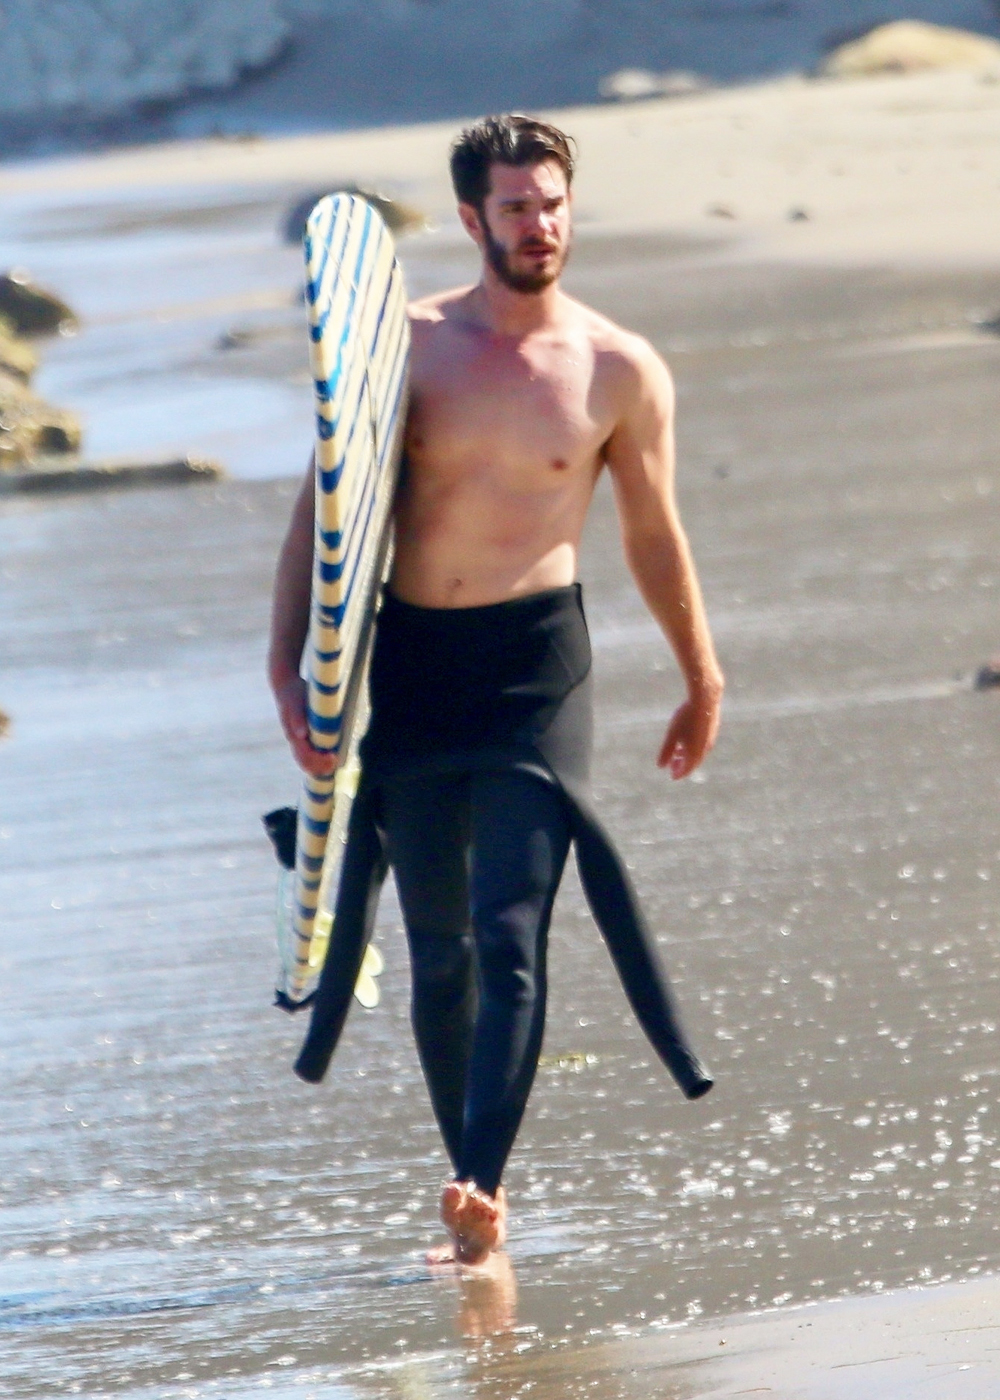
{"x":359,"y":349}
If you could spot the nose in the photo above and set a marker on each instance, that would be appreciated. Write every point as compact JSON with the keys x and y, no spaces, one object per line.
{"x":542,"y":227}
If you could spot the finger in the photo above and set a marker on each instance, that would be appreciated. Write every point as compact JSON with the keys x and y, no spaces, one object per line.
{"x":294,"y":725}
{"x":319,"y":762}
{"x":322,"y":768}
{"x":682,"y":762}
{"x":301,"y":751}
{"x":668,"y":754}
{"x":670,"y":743}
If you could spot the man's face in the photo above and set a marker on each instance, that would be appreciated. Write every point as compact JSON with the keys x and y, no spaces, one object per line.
{"x":524,"y":230}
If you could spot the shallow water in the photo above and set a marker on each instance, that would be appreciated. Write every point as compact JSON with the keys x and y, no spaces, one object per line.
{"x":158,"y":284}
{"x":180,"y":1216}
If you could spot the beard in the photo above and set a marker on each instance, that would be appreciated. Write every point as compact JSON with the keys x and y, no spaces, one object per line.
{"x":500,"y":261}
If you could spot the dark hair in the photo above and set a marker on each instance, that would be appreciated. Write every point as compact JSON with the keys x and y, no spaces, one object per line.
{"x":511,"y":139}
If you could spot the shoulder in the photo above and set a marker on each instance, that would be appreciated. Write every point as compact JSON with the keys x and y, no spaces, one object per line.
{"x":626,"y":362}
{"x":437,"y":309}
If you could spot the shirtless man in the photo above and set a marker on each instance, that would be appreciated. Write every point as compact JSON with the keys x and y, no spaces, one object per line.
{"x":520,"y":396}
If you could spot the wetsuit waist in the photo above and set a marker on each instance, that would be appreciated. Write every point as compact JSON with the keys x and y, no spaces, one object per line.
{"x":455,"y":680}
{"x":545,"y":602}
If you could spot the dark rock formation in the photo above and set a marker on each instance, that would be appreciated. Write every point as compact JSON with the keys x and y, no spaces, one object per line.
{"x":16,"y":355}
{"x":30,"y":428}
{"x":30,"y":310}
{"x":988,"y":675}
{"x":400,"y":218}
{"x":909,"y":46}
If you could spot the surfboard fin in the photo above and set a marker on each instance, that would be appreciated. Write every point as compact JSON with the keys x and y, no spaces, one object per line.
{"x":280,"y":826}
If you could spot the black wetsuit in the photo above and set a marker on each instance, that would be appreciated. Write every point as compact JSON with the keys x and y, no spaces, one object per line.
{"x":476,"y":774}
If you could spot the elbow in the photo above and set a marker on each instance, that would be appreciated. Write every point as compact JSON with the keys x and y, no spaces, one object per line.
{"x":653,"y":552}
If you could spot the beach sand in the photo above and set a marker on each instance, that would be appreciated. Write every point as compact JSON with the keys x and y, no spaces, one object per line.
{"x":943,"y":1343}
{"x":828,"y":888}
{"x":886,"y":168}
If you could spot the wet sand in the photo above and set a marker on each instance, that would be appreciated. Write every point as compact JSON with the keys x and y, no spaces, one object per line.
{"x":180,"y":1217}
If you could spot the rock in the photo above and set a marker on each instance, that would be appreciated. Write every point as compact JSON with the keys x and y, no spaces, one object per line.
{"x":31,"y":310}
{"x":721,"y":211}
{"x":988,"y":675}
{"x":251,"y":337}
{"x":629,"y":85}
{"x":400,"y":218}
{"x":910,"y":46}
{"x":30,"y":427}
{"x":16,"y":355}
{"x":638,"y":85}
{"x":990,"y":324}
{"x":54,"y":476}
{"x":798,"y":215}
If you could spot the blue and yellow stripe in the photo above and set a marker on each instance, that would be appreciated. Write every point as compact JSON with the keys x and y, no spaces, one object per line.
{"x":359,"y":350}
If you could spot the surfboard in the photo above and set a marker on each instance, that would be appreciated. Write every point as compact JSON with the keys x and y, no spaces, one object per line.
{"x":359,"y":355}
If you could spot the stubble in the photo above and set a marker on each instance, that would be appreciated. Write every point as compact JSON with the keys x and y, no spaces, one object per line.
{"x":500,"y":261}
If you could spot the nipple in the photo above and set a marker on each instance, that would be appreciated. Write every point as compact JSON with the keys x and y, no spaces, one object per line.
{"x":559,"y":464}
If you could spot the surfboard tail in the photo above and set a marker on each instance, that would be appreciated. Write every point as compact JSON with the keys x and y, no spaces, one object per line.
{"x":310,"y":848}
{"x":361,"y":877}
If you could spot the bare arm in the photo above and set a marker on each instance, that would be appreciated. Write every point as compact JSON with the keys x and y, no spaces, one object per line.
{"x":640,"y":457}
{"x":289,"y":626}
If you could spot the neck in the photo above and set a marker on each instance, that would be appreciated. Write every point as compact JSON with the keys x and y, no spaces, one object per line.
{"x":507,"y":312}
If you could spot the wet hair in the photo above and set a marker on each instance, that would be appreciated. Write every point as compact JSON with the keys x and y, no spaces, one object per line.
{"x":510,"y":139}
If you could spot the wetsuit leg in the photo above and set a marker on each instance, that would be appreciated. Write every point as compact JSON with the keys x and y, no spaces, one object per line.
{"x":427,"y":826}
{"x":520,"y":839}
{"x":630,"y":941}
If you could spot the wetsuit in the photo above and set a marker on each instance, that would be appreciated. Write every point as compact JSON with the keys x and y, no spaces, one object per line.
{"x":476,"y":777}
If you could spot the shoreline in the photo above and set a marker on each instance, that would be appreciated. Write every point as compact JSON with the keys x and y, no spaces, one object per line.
{"x":938,"y":1341}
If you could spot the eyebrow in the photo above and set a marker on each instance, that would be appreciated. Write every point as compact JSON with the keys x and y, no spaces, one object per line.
{"x":525,"y":198}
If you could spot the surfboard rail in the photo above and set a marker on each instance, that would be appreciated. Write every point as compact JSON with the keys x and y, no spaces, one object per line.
{"x":359,"y":357}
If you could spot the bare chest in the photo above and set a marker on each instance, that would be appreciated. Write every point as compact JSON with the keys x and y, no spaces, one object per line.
{"x":494,"y":403}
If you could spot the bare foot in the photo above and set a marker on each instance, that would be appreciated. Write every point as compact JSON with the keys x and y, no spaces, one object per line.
{"x":476,"y":1222}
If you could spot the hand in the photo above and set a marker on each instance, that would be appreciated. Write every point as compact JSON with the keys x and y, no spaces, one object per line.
{"x":290,"y":698}
{"x":692,"y":733}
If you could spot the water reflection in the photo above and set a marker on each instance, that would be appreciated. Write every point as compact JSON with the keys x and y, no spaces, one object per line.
{"x":487,"y":1299}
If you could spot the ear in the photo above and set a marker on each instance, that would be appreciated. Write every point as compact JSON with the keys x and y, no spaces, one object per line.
{"x":469,"y":216}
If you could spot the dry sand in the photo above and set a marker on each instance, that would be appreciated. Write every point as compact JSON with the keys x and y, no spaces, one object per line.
{"x":936,"y":1344}
{"x":888,"y":172}
{"x":885,"y":169}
